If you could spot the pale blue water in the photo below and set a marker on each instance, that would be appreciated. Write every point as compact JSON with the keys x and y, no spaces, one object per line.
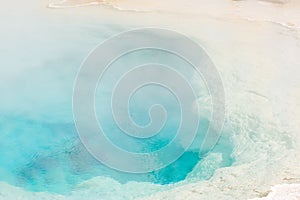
{"x":39,"y":146}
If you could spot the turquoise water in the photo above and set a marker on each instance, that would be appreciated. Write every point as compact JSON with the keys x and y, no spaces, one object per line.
{"x":39,"y":146}
{"x":49,"y":157}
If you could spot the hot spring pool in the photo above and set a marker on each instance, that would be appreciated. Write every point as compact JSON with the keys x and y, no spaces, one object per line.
{"x":42,"y":50}
{"x":40,"y":148}
{"x":51,"y":158}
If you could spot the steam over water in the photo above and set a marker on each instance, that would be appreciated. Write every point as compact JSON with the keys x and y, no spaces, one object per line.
{"x":257,"y":56}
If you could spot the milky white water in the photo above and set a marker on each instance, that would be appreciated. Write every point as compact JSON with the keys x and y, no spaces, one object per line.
{"x":255,"y":46}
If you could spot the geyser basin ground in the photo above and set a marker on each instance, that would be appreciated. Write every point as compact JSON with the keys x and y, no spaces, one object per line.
{"x":257,"y":59}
